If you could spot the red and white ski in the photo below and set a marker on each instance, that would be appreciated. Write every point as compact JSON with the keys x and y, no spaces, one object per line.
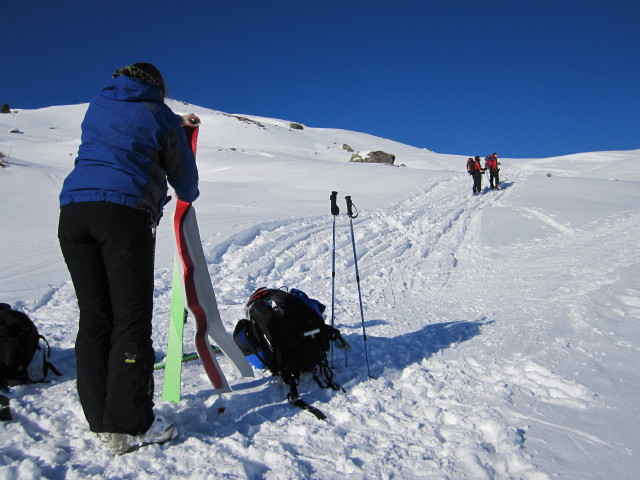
{"x":199,"y":297}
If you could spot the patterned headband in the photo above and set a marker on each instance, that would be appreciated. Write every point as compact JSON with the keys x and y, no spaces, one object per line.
{"x":134,"y":72}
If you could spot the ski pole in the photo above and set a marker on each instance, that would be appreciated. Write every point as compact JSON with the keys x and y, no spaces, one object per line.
{"x":335,"y":211}
{"x":351,"y":215}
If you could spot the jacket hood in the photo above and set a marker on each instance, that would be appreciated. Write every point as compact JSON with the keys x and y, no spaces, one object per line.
{"x":129,"y":89}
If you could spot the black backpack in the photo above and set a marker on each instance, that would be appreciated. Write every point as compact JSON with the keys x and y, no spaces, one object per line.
{"x":19,"y":340}
{"x":287,"y":333}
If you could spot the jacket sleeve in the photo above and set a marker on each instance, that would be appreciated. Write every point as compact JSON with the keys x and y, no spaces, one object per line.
{"x":179,"y":162}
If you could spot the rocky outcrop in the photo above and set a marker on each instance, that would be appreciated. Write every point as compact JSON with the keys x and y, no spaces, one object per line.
{"x":377,"y":156}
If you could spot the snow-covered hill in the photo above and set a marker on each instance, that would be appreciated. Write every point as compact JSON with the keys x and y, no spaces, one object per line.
{"x":502,"y":329}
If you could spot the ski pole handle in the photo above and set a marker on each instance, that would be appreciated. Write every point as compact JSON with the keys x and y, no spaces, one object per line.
{"x":334,"y":206}
{"x":350,"y":207}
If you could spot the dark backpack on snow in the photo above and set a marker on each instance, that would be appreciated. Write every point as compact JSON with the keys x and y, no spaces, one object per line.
{"x":287,"y":333}
{"x":19,"y":340}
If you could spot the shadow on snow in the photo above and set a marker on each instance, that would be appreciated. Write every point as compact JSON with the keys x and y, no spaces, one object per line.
{"x":263,"y":400}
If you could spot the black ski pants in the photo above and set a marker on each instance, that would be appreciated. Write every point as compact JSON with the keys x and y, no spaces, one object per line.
{"x":108,"y":249}
{"x":477,"y":182}
{"x":494,"y":179}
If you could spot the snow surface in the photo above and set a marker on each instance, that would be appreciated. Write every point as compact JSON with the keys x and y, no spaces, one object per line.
{"x":502,"y":329}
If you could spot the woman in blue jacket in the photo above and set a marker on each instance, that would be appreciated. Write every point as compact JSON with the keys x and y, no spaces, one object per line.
{"x":132,"y":145}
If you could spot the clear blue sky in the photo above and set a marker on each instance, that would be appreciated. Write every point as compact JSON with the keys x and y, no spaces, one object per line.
{"x":526,"y":78}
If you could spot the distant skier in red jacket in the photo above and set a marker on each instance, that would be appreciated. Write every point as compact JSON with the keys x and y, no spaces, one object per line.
{"x":477,"y":172}
{"x":491,"y":163}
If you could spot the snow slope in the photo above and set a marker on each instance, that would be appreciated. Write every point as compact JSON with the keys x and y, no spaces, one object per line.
{"x":502,"y":329}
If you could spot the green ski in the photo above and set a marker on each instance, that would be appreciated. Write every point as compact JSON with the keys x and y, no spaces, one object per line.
{"x":173,"y":360}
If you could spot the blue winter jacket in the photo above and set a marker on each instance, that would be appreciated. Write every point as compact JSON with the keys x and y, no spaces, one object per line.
{"x":131,"y":144}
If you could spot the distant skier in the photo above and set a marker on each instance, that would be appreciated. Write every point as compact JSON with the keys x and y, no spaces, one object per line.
{"x":477,"y":176}
{"x":132,"y":143}
{"x":491,"y":163}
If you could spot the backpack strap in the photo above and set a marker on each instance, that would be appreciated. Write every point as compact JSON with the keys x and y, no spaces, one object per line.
{"x":339,"y":341}
{"x":46,"y":365}
{"x":256,"y":335}
{"x":323,"y":375}
{"x":294,"y":399}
